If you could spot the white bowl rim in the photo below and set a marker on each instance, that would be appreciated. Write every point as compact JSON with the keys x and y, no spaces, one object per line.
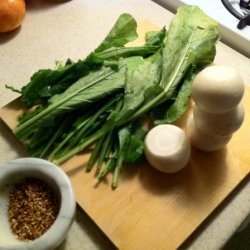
{"x":57,"y":232}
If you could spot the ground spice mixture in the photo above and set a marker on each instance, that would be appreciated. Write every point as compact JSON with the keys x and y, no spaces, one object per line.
{"x":33,"y":207}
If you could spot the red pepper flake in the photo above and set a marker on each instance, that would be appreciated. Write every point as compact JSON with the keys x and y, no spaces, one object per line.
{"x":33,"y":208}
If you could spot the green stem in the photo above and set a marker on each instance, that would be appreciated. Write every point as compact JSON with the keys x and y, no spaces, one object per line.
{"x":116,"y":176}
{"x":94,"y":154}
{"x":56,"y":135}
{"x":68,"y":137}
{"x":107,"y":168}
{"x":81,"y":147}
{"x":157,"y":100}
{"x":90,"y":126}
{"x":105,"y":150}
{"x":128,"y":51}
{"x":93,"y":137}
{"x":85,"y":125}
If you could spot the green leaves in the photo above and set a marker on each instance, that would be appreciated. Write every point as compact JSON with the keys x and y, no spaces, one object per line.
{"x":156,"y":37}
{"x":101,"y":99}
{"x":136,"y":81}
{"x":141,"y":86}
{"x":191,"y":41}
{"x":123,"y":31}
{"x":118,"y":147}
{"x":172,"y":112}
{"x":130,"y":147}
{"x":91,"y":88}
{"x":47,"y":82}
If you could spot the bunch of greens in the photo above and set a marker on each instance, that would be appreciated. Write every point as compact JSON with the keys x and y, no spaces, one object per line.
{"x":105,"y":99}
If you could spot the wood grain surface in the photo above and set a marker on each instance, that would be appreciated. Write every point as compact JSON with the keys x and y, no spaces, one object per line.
{"x":151,"y":210}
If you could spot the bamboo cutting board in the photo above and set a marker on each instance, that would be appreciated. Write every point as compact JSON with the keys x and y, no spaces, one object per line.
{"x":151,"y":210}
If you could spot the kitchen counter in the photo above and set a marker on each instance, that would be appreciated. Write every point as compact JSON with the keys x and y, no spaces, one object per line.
{"x":71,"y":29}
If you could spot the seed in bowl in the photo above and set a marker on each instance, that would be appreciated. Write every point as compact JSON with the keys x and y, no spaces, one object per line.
{"x":32,"y":209}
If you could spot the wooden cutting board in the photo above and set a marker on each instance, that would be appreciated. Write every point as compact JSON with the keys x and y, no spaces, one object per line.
{"x":151,"y":210}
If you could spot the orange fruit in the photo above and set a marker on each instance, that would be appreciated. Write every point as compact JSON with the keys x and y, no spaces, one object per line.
{"x":12,"y":13}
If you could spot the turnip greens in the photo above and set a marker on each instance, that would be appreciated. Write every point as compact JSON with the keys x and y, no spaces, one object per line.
{"x":104,"y":99}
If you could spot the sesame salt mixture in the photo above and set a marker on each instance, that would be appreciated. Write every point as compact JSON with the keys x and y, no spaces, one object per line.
{"x":33,"y":208}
